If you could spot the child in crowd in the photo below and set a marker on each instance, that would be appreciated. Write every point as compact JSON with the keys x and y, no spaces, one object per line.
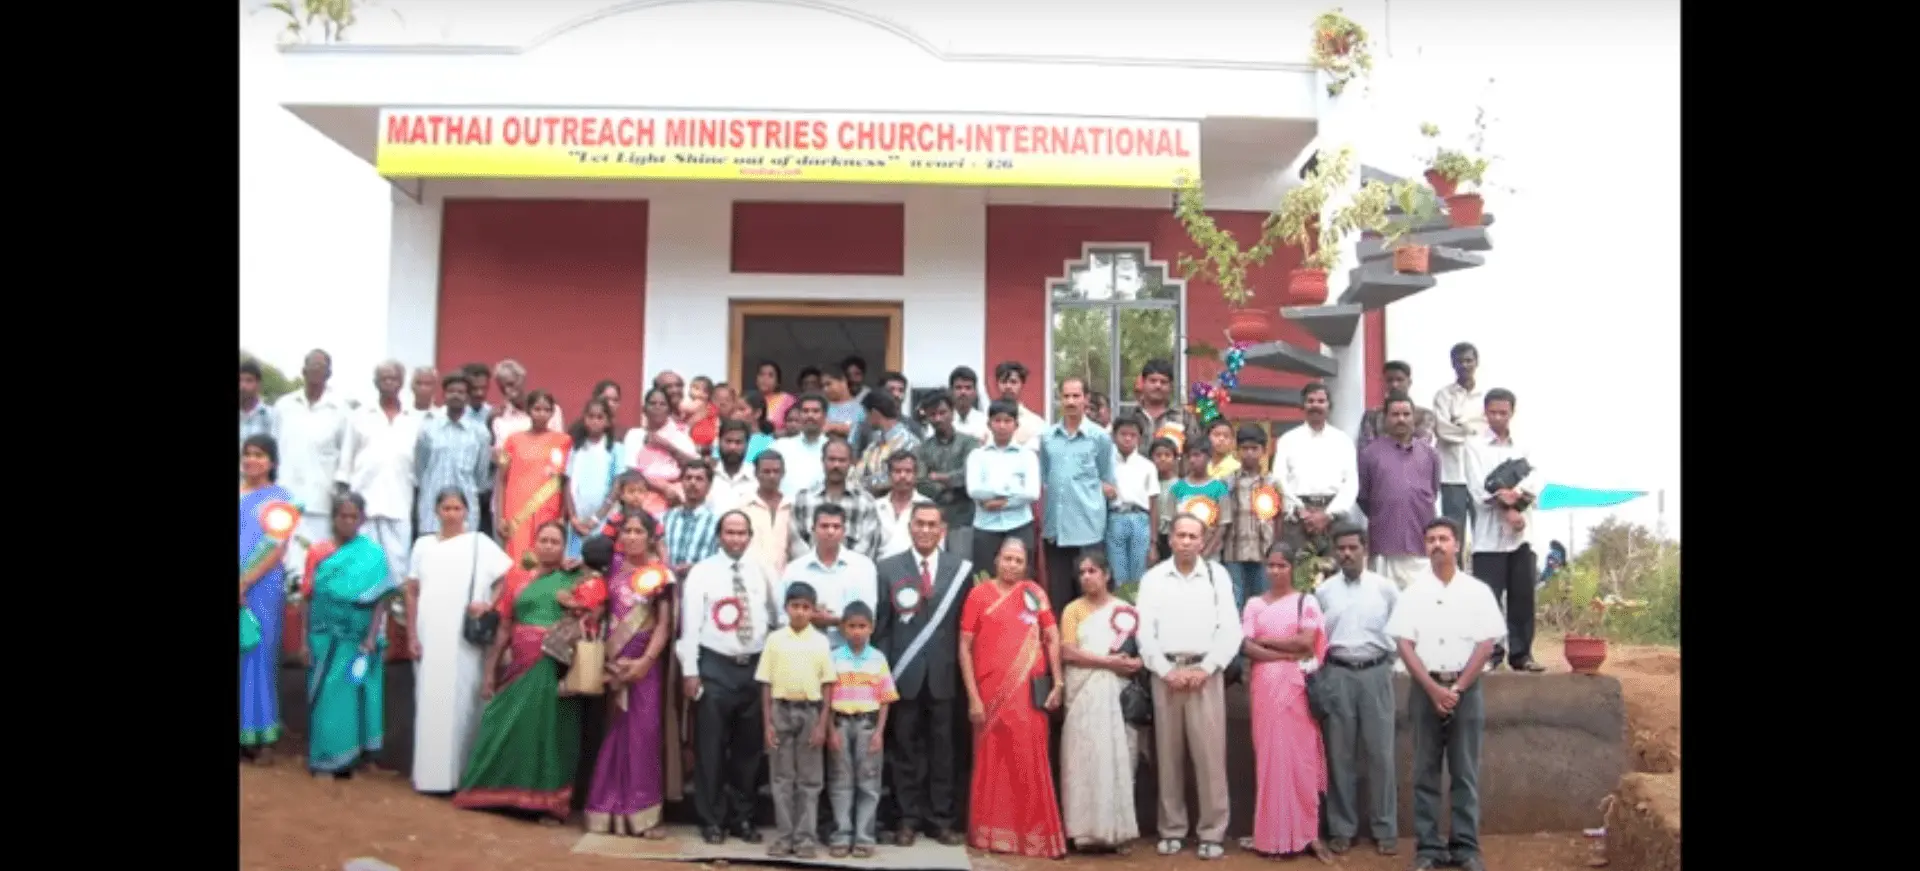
{"x":1198,"y":483}
{"x":796,"y":682}
{"x":629,"y":498}
{"x":862,"y":691}
{"x":1223,"y":463}
{"x":1246,"y":536}
{"x":698,"y":414}
{"x":1166,"y":464}
{"x":1130,"y":516}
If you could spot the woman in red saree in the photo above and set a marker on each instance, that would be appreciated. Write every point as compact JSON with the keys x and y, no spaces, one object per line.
{"x":532,"y":484}
{"x":1008,"y":639}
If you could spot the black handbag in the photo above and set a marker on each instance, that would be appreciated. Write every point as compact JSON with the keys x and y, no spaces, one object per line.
{"x":1316,"y":688}
{"x":480,"y":630}
{"x":1508,"y":475}
{"x":1136,"y":699}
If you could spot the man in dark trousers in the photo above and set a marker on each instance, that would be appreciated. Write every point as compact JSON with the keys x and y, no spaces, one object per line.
{"x":729,"y":604}
{"x":918,"y":628}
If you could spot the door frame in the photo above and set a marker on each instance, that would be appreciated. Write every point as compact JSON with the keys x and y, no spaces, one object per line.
{"x":738,"y":310}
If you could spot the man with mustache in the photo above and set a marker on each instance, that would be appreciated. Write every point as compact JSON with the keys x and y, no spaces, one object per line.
{"x":1446,"y":624}
{"x":1399,"y":481}
{"x":1358,"y":730}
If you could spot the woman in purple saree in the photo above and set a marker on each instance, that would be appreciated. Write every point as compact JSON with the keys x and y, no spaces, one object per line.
{"x":629,"y":777}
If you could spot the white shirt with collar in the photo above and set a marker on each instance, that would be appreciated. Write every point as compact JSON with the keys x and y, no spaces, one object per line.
{"x":377,"y":459}
{"x":1459,"y":414}
{"x":973,"y":424}
{"x":312,"y":439}
{"x":1187,"y":613}
{"x":849,"y":577}
{"x":1484,"y":453}
{"x":1031,"y":427}
{"x":1307,"y":462}
{"x":894,"y":534}
{"x":801,"y":459}
{"x":708,"y":582}
{"x":1357,"y":611}
{"x":1135,"y":480}
{"x":1445,"y":619}
{"x":731,"y":491}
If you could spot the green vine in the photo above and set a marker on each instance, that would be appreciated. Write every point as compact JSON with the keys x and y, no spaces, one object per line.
{"x":1299,"y":218}
{"x":1222,"y":260}
{"x":1340,"y":48}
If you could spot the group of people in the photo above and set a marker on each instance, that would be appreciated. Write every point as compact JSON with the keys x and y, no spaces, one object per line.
{"x":848,"y":584}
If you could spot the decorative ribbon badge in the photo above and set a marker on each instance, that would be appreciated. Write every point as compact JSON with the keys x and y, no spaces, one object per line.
{"x":908,"y":595}
{"x":1266,"y":502}
{"x":1125,"y":622}
{"x":277,"y":520}
{"x":1173,"y":432}
{"x":556,"y":459}
{"x":648,"y":581}
{"x":1202,"y":507}
{"x":726,"y":614}
{"x":1031,"y":600}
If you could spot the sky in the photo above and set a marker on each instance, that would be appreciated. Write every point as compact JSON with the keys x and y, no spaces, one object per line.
{"x":1577,"y":310}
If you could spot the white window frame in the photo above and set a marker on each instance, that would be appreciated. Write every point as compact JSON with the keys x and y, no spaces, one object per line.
{"x":1179,"y":305}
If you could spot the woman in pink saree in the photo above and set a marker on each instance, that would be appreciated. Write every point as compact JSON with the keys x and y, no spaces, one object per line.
{"x":629,"y":778}
{"x":1284,"y":633}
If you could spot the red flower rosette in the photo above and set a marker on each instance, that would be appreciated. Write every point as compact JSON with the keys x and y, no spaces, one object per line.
{"x":648,"y":581}
{"x":1125,"y":622}
{"x":1202,"y":507}
{"x":727,"y":614}
{"x":1172,"y":431}
{"x":278,"y":519}
{"x":909,"y":594}
{"x":1267,"y":502}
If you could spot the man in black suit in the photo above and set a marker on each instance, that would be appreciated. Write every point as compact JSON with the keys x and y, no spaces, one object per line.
{"x":922,"y":591}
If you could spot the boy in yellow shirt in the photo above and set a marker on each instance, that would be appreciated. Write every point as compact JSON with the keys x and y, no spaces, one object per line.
{"x":796,"y":681}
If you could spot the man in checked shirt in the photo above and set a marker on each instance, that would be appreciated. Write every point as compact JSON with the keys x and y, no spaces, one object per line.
{"x":690,"y":528}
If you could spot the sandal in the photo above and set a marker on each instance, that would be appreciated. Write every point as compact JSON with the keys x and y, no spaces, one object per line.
{"x":1212,"y":850}
{"x":654,"y":834}
{"x":1169,"y":846}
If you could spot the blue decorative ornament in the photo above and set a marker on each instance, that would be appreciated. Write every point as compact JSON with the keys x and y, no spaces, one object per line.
{"x":1202,"y":390}
{"x":1236,"y":358}
{"x":1229,"y":379}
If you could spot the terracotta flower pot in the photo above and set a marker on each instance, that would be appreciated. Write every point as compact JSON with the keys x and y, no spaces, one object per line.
{"x":1251,"y":325}
{"x":1465,"y":210}
{"x":1443,"y":187}
{"x":1307,"y":287}
{"x":1412,"y":259}
{"x":1585,"y":653}
{"x":1336,"y":43}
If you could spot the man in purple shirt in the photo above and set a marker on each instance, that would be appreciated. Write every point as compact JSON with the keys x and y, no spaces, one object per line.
{"x":1399,"y":481}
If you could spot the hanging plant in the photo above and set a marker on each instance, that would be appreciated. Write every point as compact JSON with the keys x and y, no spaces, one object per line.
{"x":1340,"y":48}
{"x":1223,"y":261}
{"x":1299,"y":221}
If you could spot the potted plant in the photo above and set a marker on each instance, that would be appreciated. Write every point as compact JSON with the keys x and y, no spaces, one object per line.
{"x":1585,"y":646}
{"x":1224,"y":262}
{"x":1340,"y":50}
{"x":1298,"y":221}
{"x":1448,"y":169}
{"x":1417,"y":206}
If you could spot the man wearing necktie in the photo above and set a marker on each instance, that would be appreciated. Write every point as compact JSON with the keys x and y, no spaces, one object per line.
{"x":917,"y":625}
{"x":729,"y":608}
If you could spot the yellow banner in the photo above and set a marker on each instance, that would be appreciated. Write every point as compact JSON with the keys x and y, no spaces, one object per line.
{"x":932,"y":148}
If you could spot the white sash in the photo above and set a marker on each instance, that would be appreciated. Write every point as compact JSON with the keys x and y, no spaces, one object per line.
{"x":926,"y":632}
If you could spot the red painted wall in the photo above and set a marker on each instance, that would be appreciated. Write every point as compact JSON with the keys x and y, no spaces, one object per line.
{"x":514,"y":275}
{"x":1376,"y":328}
{"x":819,"y":238}
{"x":1026,"y":246}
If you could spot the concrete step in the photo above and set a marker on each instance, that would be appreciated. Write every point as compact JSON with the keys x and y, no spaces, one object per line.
{"x":1371,"y":287}
{"x":1266,"y":397}
{"x":1441,"y":260}
{"x":1331,"y":324}
{"x":1282,"y":357}
{"x":1468,"y":239}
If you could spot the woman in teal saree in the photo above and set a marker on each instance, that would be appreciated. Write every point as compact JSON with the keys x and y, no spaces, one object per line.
{"x":347,"y":674}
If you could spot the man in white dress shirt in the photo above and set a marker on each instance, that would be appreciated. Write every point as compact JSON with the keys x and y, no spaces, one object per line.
{"x":839,"y":575}
{"x":1316,"y":469}
{"x":969,"y":416}
{"x":1188,"y":634}
{"x":312,"y":436}
{"x":1502,"y":557}
{"x":805,"y":467}
{"x":727,"y":609}
{"x":1459,"y":414}
{"x":377,"y":463}
{"x":1446,"y":623}
{"x":1358,"y":730}
{"x":734,"y":482}
{"x":896,"y":505}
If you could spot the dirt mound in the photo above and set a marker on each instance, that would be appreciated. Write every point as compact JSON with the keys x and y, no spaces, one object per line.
{"x":1643,"y":823}
{"x":1650,"y":684}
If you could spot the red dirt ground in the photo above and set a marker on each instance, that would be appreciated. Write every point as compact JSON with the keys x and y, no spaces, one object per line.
{"x":290,"y":822}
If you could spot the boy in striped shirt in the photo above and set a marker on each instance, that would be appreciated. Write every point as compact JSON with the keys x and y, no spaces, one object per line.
{"x":862,"y":690}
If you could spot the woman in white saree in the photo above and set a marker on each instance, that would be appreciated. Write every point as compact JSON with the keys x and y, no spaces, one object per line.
{"x":1097,"y":746}
{"x":450,"y":575}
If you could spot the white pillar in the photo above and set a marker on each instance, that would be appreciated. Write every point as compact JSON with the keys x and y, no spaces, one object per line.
{"x":413,"y":278}
{"x":1343,"y":123}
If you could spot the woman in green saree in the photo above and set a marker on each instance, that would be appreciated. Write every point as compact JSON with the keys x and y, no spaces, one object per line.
{"x":529,"y":744}
{"x":347,"y":674}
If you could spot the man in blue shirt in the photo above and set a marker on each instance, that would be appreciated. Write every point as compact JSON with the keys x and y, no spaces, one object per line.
{"x":1076,"y":468}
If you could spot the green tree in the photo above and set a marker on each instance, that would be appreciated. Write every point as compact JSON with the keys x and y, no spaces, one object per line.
{"x":1083,"y":344}
{"x":1624,"y":561}
{"x":273,"y":382}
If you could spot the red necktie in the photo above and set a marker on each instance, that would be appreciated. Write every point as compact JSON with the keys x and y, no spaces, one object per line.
{"x":926,"y":573}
